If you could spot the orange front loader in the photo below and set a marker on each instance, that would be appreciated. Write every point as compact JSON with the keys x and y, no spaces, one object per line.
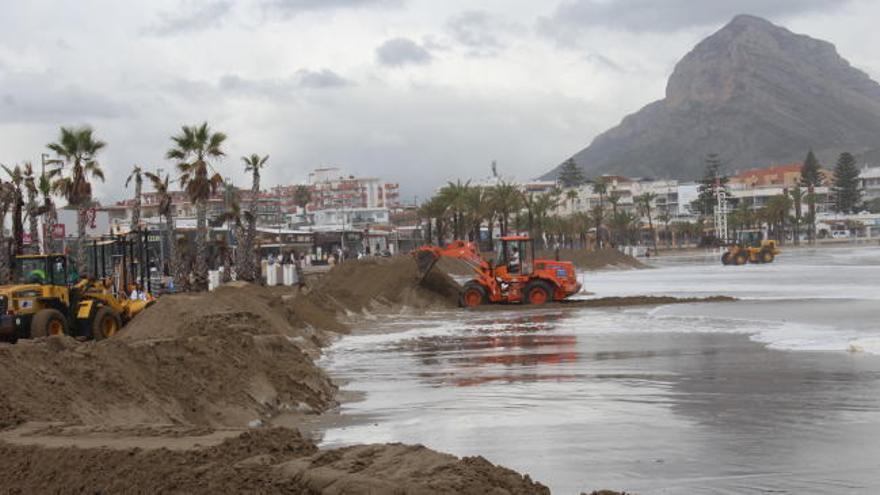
{"x":517,"y":277}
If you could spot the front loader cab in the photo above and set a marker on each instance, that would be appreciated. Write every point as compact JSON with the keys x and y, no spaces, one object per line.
{"x":517,"y":254}
{"x":48,"y":269}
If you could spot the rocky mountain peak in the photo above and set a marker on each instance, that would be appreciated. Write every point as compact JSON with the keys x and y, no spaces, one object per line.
{"x":753,"y":92}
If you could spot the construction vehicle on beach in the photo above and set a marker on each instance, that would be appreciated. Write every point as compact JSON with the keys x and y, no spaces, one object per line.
{"x":514,"y":277}
{"x":750,"y":247}
{"x":47,"y":296}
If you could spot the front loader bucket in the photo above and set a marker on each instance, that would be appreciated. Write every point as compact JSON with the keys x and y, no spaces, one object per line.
{"x":425,"y":261}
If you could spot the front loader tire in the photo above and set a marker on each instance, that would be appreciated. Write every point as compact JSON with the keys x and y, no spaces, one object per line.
{"x":48,"y":322}
{"x":741,"y":258}
{"x":472,"y":295}
{"x":105,"y":324}
{"x":725,"y":258}
{"x":766,"y":256}
{"x":538,"y":292}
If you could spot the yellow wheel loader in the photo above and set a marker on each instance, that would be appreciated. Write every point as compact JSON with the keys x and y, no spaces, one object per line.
{"x":46,"y":297}
{"x":750,"y":248}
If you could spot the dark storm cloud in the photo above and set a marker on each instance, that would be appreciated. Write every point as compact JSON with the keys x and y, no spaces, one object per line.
{"x":667,"y":15}
{"x":289,"y":8}
{"x":195,"y":18}
{"x":398,"y":52}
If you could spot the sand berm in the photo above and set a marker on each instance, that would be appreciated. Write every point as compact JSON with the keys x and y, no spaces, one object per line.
{"x":184,"y":399}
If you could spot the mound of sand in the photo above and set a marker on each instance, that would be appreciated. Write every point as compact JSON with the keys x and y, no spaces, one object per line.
{"x":262,"y":461}
{"x":220,"y":359}
{"x":387,"y":283}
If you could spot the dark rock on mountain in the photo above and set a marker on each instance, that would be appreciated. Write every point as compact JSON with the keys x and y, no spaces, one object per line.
{"x":753,"y":92}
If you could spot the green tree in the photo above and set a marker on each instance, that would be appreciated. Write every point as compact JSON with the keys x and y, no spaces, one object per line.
{"x":646,"y":202}
{"x":600,"y":187}
{"x":32,"y":207}
{"x":302,"y":196}
{"x":811,"y":178}
{"x":434,"y":209}
{"x":713,"y":179}
{"x":50,"y":215}
{"x":16,"y":178}
{"x":455,"y":196}
{"x":571,"y":175}
{"x":797,"y":198}
{"x":192,"y":150}
{"x":7,"y":197}
{"x":79,"y":149}
{"x":847,"y":194}
{"x":506,"y":201}
{"x":248,"y":260}
{"x":775,"y":214}
{"x":166,"y":209}
{"x":137,"y":176}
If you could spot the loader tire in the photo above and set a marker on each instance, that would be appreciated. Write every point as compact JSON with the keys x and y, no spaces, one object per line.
{"x":725,"y":258}
{"x":538,"y":292}
{"x":741,"y":258}
{"x":766,"y":256}
{"x":105,"y":324}
{"x":48,"y":322}
{"x":473,"y":295}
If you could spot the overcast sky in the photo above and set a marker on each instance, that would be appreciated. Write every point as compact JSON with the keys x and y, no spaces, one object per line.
{"x":415,"y":91}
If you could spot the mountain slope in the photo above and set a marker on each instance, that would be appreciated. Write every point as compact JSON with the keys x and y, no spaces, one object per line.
{"x":753,"y":92}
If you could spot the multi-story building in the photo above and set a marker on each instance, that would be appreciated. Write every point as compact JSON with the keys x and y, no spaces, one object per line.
{"x":333,"y":189}
{"x":869,"y":181}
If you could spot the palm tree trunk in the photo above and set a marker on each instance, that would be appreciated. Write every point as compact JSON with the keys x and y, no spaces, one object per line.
{"x":17,"y":224}
{"x":173,"y":263}
{"x":201,"y":247}
{"x":136,"y":211}
{"x":653,"y":233}
{"x":81,"y":241}
{"x":252,"y":257}
{"x":48,"y":225}
{"x":33,"y":225}
{"x":4,"y":250}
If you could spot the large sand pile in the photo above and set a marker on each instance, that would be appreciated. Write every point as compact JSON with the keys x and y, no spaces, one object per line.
{"x":146,"y":411}
{"x":383,"y":283}
{"x":206,"y":359}
{"x":261,"y":461}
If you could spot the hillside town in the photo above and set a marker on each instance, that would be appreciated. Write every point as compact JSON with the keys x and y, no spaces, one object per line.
{"x":335,"y":211}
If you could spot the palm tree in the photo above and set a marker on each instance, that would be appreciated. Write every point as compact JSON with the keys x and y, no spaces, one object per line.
{"x":50,"y":215}
{"x":78,"y":148}
{"x":455,"y":196}
{"x":665,"y":216}
{"x":797,"y":196}
{"x":775,"y":212}
{"x":506,"y":200}
{"x":571,"y":195}
{"x":434,"y":209}
{"x":16,"y":178}
{"x":138,"y":177}
{"x":32,"y":207}
{"x":479,"y":208}
{"x":248,"y":264}
{"x":161,"y":186}
{"x":614,"y":199}
{"x":7,"y":197}
{"x":645,"y":201}
{"x":302,"y":196}
{"x":193,"y":147}
{"x":232,"y":214}
{"x":597,"y":215}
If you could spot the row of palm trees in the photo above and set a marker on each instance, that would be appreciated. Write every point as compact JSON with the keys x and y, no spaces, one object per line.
{"x":194,"y":151}
{"x":459,"y":210}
